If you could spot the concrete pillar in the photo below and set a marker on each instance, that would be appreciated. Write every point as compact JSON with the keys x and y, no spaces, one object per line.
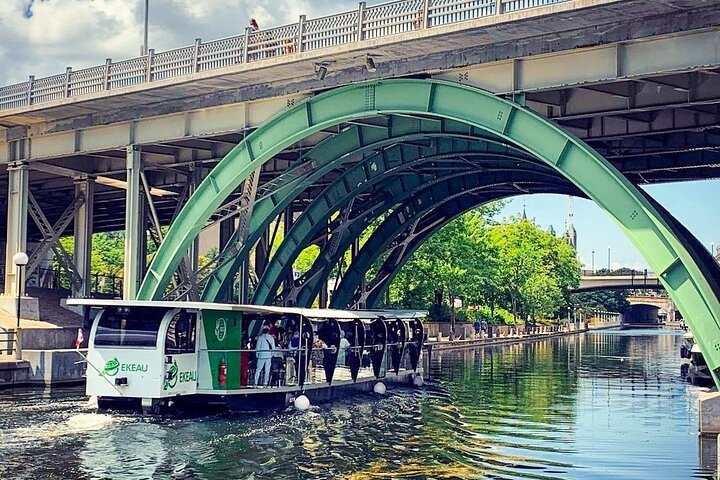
{"x":16,"y":233}
{"x":134,"y":227}
{"x":83,"y":236}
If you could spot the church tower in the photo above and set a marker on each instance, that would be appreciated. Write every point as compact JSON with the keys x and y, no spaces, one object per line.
{"x":570,"y":233}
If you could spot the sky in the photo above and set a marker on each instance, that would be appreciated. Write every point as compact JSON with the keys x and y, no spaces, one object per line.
{"x":43,"y":37}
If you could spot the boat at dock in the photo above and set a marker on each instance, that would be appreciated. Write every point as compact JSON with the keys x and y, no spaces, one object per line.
{"x":162,"y":356}
{"x":694,"y":369}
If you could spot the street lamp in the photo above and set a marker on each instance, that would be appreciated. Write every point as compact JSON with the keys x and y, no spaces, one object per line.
{"x":145,"y":35}
{"x":608,"y":258}
{"x":593,"y":261}
{"x":20,"y":259}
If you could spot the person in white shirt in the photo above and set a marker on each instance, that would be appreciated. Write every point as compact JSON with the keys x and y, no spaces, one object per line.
{"x":263,"y":352}
{"x":342,"y":350}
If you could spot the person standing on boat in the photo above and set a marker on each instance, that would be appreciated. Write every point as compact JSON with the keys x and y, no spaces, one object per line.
{"x":263,"y":352}
{"x":342,"y":350}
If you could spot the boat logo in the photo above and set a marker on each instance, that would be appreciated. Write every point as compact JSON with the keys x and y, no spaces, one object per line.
{"x":111,"y":367}
{"x":220,"y":329}
{"x":171,"y":377}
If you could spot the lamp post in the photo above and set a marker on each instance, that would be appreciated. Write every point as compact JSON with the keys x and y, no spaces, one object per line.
{"x":608,"y":258}
{"x":20,"y":259}
{"x":593,"y":261}
{"x":145,"y":35}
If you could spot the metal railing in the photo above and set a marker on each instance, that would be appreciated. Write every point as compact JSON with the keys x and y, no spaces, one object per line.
{"x":7,"y":341}
{"x":365,"y":23}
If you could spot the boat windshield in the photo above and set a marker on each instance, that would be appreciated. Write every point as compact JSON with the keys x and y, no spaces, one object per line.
{"x":129,"y":327}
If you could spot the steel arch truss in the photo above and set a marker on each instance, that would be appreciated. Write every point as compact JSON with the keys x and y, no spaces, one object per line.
{"x":492,"y":179}
{"x":391,"y":170}
{"x":683,"y":271}
{"x":335,"y":152}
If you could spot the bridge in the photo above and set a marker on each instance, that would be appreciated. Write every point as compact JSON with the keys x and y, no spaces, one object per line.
{"x":415,"y":110}
{"x":635,"y":280}
{"x":651,"y":309}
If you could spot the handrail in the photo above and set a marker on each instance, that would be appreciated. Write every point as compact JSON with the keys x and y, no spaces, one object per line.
{"x":364,"y":23}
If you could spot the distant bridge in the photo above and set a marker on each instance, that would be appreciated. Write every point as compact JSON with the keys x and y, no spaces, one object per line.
{"x":635,"y":280}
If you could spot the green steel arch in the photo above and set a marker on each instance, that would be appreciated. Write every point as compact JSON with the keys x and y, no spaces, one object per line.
{"x":681,"y":274}
{"x":488,"y":183}
{"x":361,"y":177}
{"x":431,"y":199}
{"x":332,"y":153}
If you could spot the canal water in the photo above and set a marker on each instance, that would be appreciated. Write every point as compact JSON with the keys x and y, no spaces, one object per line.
{"x":604,"y":405}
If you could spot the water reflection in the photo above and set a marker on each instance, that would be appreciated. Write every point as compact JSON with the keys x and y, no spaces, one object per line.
{"x":605,"y":405}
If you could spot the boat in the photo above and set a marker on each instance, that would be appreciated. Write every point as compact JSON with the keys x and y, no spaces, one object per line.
{"x":694,"y":369}
{"x":168,"y":356}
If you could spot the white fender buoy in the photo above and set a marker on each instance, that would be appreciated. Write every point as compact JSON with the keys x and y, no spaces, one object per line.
{"x":418,"y":380}
{"x":302,"y":403}
{"x":379,"y":388}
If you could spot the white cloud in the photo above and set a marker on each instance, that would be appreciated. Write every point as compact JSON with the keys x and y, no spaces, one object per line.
{"x":83,"y":33}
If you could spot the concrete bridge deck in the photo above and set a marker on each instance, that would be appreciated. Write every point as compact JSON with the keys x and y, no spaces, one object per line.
{"x":183,"y":113}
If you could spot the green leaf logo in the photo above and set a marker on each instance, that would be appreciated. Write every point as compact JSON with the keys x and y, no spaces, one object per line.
{"x":111,"y":367}
{"x":171,"y":377}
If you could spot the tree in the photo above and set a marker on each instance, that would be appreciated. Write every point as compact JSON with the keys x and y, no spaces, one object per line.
{"x":534,"y":269}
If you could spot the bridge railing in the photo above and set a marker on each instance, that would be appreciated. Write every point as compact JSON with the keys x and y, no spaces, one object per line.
{"x":364,"y":23}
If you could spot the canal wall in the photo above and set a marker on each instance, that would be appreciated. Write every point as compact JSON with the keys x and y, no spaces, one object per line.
{"x":499,"y":335}
{"x":46,"y":361}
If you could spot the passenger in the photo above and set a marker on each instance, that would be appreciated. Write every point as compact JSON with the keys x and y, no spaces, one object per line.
{"x":477,"y":326}
{"x":279,"y":332}
{"x":419,"y":20}
{"x":342,"y":349}
{"x":263,"y":353}
{"x":318,"y":351}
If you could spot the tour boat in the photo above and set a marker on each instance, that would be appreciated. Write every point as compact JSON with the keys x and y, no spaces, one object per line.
{"x":164,"y":355}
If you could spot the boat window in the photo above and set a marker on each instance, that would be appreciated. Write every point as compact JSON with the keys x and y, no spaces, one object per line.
{"x":129,"y":327}
{"x":180,"y":336}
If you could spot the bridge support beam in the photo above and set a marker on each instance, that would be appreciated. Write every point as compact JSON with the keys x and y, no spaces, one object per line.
{"x":134,"y":226}
{"x":16,"y":234}
{"x":83,"y":236}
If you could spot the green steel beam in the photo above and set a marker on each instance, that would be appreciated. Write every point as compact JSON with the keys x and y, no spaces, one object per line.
{"x":357,"y":179}
{"x":344,"y":148}
{"x":680,"y":273}
{"x":433,"y":195}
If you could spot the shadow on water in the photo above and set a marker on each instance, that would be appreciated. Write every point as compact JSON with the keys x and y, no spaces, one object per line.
{"x":605,"y":405}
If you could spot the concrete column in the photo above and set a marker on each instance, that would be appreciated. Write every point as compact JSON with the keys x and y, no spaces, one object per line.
{"x":83,"y":236}
{"x":134,"y":227}
{"x":17,"y":214}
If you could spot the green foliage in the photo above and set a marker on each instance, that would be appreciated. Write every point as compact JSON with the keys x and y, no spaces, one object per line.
{"x":505,"y":273}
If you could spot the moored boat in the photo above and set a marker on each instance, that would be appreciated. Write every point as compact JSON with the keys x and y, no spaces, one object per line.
{"x":158,"y":355}
{"x":695,"y":370}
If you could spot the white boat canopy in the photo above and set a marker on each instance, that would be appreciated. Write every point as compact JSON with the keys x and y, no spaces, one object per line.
{"x":260,"y":309}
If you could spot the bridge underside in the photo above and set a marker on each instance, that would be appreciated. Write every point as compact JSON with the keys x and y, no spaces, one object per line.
{"x":406,"y":157}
